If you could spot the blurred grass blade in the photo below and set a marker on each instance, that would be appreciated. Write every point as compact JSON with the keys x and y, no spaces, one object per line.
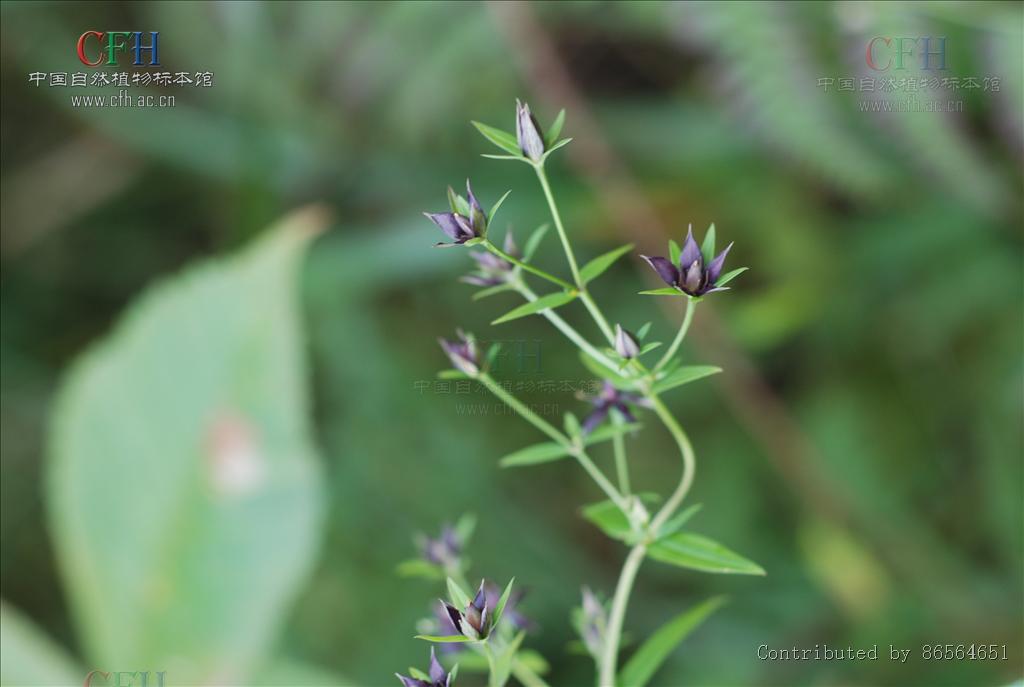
{"x":534,"y":455}
{"x":184,"y":489}
{"x":28,"y":657}
{"x":649,"y":657}
{"x":502,"y":139}
{"x":685,"y":375}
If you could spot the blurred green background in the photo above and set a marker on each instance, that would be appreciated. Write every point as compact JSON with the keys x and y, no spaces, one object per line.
{"x":864,"y":443}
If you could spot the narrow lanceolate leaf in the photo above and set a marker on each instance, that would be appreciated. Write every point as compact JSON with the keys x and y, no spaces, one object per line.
{"x":729,"y":276}
{"x":673,"y":252}
{"x":452,"y":374}
{"x":610,"y":519}
{"x":502,"y":601}
{"x":606,"y":432}
{"x":649,"y":657}
{"x":666,"y":291}
{"x":497,"y":204}
{"x":697,"y":552}
{"x":533,"y":242}
{"x":457,"y":595}
{"x":677,"y":521}
{"x":417,"y":567}
{"x":550,"y":301}
{"x":502,"y":139}
{"x":596,"y":267}
{"x":444,"y":639}
{"x":685,"y":375}
{"x":641,"y":333}
{"x":491,"y":291}
{"x":504,"y":157}
{"x":556,"y":128}
{"x":650,"y":347}
{"x":572,"y":426}
{"x":194,"y":411}
{"x":556,"y":146}
{"x":707,"y":249}
{"x":534,"y":455}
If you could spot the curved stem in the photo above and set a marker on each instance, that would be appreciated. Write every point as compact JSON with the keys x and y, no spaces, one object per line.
{"x":526,"y":266}
{"x":619,"y":446}
{"x":573,"y":449}
{"x":588,"y":301}
{"x":691,"y":305}
{"x":689,"y":464}
{"x":567,"y":329}
{"x":610,"y":650}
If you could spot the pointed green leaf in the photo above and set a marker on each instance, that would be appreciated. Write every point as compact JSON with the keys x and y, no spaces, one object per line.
{"x":502,"y":139}
{"x":457,"y":595}
{"x":30,"y":657}
{"x":676,"y":522}
{"x":489,"y":156}
{"x":194,"y":411}
{"x":697,"y":552}
{"x":666,"y":291}
{"x":685,"y":375}
{"x":648,"y":658}
{"x":534,"y":455}
{"x":417,"y":567}
{"x":419,"y":675}
{"x":494,"y":208}
{"x":502,"y":601}
{"x":444,"y":639}
{"x":707,"y":249}
{"x":641,"y":333}
{"x":596,"y":267}
{"x":503,"y":661}
{"x":606,"y":432}
{"x":610,"y":519}
{"x":555,"y":147}
{"x":555,"y":130}
{"x":650,"y":347}
{"x":534,"y":241}
{"x":550,"y":301}
{"x":729,"y":276}
{"x":452,"y":374}
{"x":457,"y":203}
{"x":464,"y":527}
{"x":491,"y":290}
{"x":674,"y":252}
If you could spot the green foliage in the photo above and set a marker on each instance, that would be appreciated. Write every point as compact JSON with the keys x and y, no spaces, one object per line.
{"x":183,"y":435}
{"x":547,"y":302}
{"x":28,"y":657}
{"x":697,"y":552}
{"x":652,"y":653}
{"x":596,"y":267}
{"x":685,"y":375}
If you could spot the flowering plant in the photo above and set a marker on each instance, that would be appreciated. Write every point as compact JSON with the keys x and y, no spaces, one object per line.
{"x":485,"y":624}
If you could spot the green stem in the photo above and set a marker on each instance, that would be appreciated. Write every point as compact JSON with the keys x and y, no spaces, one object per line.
{"x":691,"y":305}
{"x":526,"y":676}
{"x":492,"y":675}
{"x":567,"y":329}
{"x":619,"y":446}
{"x":689,"y":463}
{"x":575,"y":450}
{"x":613,"y":635}
{"x":588,"y":301}
{"x":528,"y":267}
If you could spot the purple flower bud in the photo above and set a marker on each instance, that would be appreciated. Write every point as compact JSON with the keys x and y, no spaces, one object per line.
{"x":592,"y":622}
{"x":610,"y":398}
{"x":528,"y":134}
{"x":475,"y":621}
{"x":462,"y":353}
{"x":693,"y":277}
{"x":456,"y":225}
{"x":439,"y":677}
{"x":445,"y":550}
{"x":625,"y":343}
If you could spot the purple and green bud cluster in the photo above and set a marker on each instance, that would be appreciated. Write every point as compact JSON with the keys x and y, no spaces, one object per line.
{"x":467,"y":219}
{"x":610,"y":398}
{"x":697,"y":272}
{"x":445,"y":550}
{"x":475,"y":621}
{"x":626,"y":344}
{"x":491,"y":269}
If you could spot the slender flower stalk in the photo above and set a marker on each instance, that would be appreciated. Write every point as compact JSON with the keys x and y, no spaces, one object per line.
{"x":629,"y":384}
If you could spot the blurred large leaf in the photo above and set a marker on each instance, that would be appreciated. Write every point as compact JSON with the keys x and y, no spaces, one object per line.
{"x":29,"y":657}
{"x":689,"y":550}
{"x":184,"y":490}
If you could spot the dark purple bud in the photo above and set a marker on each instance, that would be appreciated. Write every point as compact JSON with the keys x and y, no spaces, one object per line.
{"x":462,"y":353}
{"x":693,"y":278}
{"x":665,"y":269}
{"x":477,"y":216}
{"x":453,"y":225}
{"x":715,"y":268}
{"x":594,"y":419}
{"x":690,"y":253}
{"x":608,"y":398}
{"x":412,"y":682}
{"x":437,"y":672}
{"x":455,"y":615}
{"x":625,"y":343}
{"x":528,"y":134}
{"x":480,"y":600}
